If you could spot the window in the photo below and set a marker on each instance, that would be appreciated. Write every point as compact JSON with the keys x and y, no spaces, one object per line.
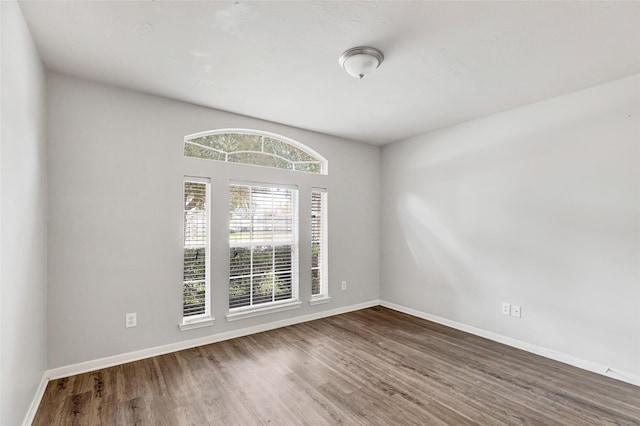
{"x":319,"y":280}
{"x":263,"y":225}
{"x":256,"y":148}
{"x":196,"y":274}
{"x":263,"y":243}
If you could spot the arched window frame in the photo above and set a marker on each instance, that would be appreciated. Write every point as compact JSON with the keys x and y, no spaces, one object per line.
{"x":324,"y":164}
{"x":221,"y":178}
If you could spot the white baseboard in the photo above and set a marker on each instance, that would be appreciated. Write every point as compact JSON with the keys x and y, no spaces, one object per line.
{"x":33,"y":408}
{"x":538,"y":350}
{"x":85,"y":367}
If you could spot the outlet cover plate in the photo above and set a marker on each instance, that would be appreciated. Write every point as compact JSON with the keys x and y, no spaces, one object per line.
{"x":515,"y":311}
{"x":506,"y":308}
{"x":131,"y":320}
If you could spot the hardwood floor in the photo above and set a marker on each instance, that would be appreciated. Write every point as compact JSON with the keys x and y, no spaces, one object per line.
{"x":374,"y":366}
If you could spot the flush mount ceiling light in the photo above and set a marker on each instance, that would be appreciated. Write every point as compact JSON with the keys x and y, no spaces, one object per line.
{"x":360,"y":61}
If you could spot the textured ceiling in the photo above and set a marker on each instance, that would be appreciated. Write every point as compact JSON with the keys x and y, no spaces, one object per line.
{"x":445,"y":62}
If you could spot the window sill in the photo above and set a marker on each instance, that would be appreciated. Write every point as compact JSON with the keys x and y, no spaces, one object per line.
{"x":204,"y":322}
{"x":233,"y":316}
{"x":319,"y":300}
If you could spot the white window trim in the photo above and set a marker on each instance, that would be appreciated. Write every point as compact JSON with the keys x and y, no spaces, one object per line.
{"x":263,"y":309}
{"x":284,"y":305}
{"x":206,"y":319}
{"x":197,"y":323}
{"x":319,"y":300}
{"x":293,"y":187}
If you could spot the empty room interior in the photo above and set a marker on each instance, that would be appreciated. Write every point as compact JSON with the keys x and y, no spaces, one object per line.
{"x":324,"y":212}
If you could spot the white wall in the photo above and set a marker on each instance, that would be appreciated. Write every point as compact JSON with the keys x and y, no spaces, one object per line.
{"x":537,"y":206}
{"x":115,"y":188}
{"x":23,"y":206}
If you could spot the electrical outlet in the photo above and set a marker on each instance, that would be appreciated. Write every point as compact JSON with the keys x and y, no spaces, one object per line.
{"x":344,"y":285}
{"x":515,"y":311}
{"x":131,"y":320}
{"x":506,"y":308}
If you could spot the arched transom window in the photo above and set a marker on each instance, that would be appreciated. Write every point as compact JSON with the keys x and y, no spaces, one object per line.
{"x":255,"y":148}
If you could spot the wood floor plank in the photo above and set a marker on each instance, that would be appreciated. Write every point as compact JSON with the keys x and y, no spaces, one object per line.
{"x":370,"y":367}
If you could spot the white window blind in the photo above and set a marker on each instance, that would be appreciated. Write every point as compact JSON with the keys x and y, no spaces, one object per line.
{"x":263,"y":245}
{"x":319,"y":280}
{"x":196,"y":249}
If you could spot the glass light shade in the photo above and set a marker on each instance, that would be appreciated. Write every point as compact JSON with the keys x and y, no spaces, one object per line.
{"x":360,"y":65}
{"x":360,"y":61}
